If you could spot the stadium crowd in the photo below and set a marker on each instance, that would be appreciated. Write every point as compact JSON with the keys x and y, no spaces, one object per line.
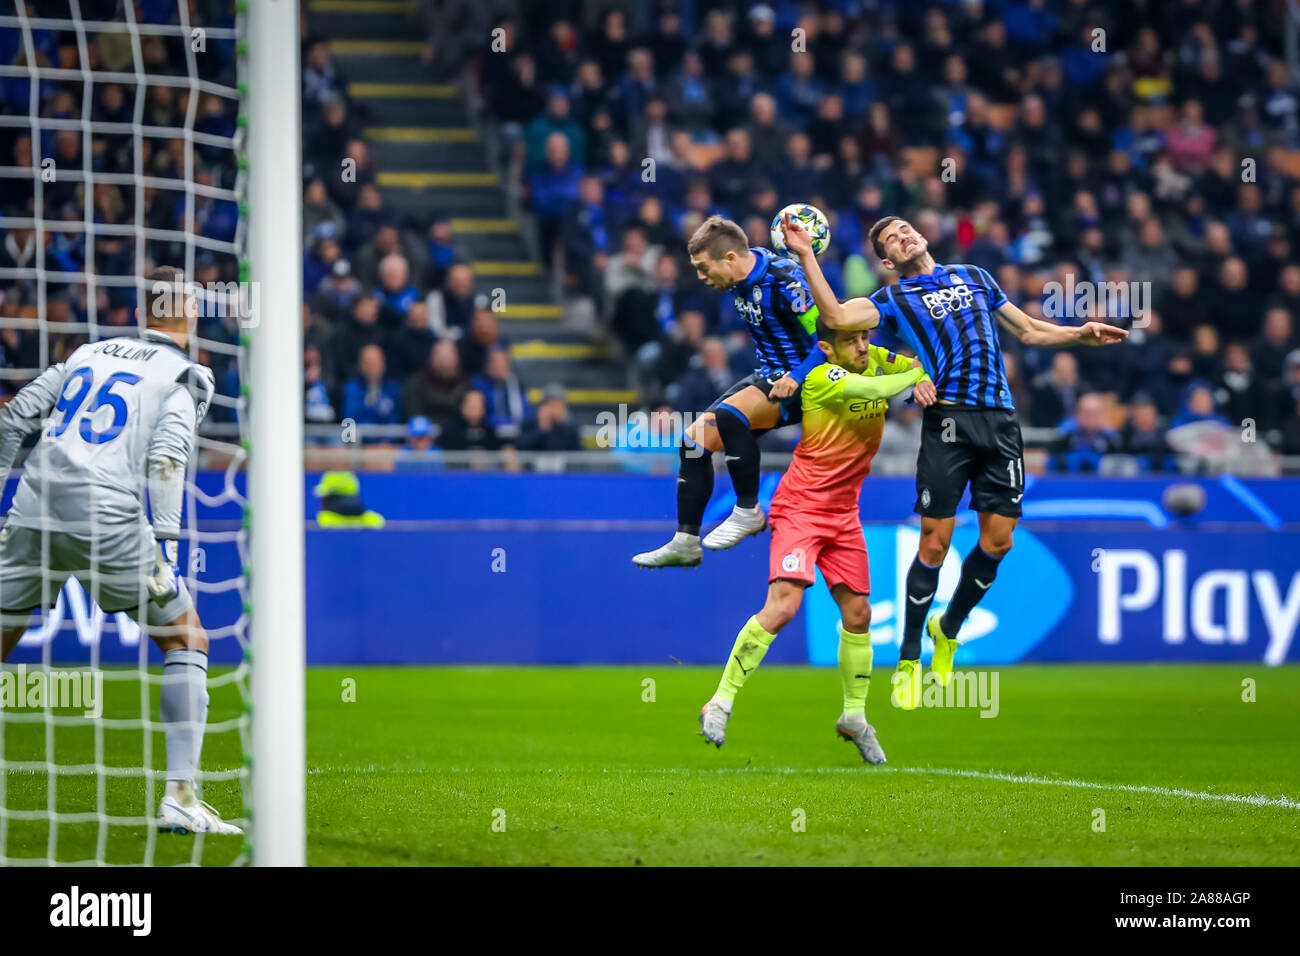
{"x":384,"y":310}
{"x":64,"y":153}
{"x":1079,"y":143}
{"x":395,"y":330}
{"x":1130,"y":144}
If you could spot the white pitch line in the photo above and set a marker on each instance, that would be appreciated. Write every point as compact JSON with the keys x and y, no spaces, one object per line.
{"x":1256,"y":800}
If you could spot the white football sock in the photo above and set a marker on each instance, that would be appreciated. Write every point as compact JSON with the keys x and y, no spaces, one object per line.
{"x":184,"y":713}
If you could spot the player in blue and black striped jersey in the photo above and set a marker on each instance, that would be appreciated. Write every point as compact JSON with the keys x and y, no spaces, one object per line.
{"x":772,"y":294}
{"x":949,"y":315}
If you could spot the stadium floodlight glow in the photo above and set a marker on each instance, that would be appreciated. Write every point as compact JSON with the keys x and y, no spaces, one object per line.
{"x":275,"y":486}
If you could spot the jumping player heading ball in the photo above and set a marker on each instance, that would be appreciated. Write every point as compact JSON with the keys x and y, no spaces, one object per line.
{"x":949,"y":315}
{"x":771,"y":293}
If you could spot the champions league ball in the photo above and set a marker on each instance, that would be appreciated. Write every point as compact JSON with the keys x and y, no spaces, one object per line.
{"x":811,"y":218}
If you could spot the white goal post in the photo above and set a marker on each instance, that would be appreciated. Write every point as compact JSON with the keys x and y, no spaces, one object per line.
{"x":275,"y":476}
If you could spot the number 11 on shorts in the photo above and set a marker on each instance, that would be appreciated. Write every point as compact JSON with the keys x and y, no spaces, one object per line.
{"x":1016,"y":468}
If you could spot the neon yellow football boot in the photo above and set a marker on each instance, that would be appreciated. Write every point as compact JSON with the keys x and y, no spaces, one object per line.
{"x":907,"y":685}
{"x":944,"y":649}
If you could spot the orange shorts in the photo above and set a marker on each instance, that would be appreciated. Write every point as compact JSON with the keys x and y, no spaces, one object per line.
{"x":833,"y":542}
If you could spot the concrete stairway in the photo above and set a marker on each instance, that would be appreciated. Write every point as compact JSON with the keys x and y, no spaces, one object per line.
{"x":433,"y":160}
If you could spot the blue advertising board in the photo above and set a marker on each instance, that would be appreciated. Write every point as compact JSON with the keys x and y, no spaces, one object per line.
{"x":486,"y":568}
{"x":1098,"y":594}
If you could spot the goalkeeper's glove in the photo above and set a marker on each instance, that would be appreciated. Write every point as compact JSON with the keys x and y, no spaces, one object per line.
{"x":163,"y":583}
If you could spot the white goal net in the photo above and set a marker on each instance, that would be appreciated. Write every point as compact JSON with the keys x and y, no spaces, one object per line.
{"x":121,"y":150}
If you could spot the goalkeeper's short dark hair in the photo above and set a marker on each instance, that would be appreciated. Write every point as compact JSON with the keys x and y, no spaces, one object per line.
{"x":165,"y":293}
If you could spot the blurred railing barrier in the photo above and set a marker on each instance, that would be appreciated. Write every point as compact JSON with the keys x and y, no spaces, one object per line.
{"x":383,"y":448}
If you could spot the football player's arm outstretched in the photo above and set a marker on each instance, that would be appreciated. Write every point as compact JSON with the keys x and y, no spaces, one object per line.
{"x":893,"y":364}
{"x":925,"y":393}
{"x":858,"y":313}
{"x":855,"y":314}
{"x":828,"y":385}
{"x":1037,"y":332}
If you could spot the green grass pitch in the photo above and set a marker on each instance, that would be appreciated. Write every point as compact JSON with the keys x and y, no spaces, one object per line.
{"x":574,"y":766}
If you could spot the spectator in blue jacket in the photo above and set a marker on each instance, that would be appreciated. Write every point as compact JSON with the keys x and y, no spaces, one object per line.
{"x":372,"y":398}
{"x":1143,"y":436}
{"x":395,"y":291}
{"x":589,"y":234}
{"x":317,"y":406}
{"x":553,"y":188}
{"x":1085,"y":438}
{"x":441,"y":250}
{"x":556,"y":119}
{"x":1199,"y":405}
{"x":1084,"y":62}
{"x":551,"y":429}
{"x":507,"y":407}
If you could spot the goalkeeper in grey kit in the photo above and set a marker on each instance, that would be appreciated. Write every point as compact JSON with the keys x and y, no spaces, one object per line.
{"x":118,"y":416}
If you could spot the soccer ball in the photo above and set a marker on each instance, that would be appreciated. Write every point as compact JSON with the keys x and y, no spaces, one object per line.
{"x":811,"y":218}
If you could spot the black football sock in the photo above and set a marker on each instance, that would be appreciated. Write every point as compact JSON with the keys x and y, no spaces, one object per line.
{"x":740,"y":446}
{"x":977,"y":573}
{"x":922,"y":580}
{"x":694,"y":485}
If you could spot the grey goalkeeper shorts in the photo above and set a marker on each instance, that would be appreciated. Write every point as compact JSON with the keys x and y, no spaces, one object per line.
{"x":112,"y":567}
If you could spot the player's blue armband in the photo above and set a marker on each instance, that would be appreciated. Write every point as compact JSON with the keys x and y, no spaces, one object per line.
{"x":815,"y":358}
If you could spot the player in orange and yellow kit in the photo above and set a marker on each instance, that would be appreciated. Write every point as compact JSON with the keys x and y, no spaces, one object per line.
{"x":815,"y":523}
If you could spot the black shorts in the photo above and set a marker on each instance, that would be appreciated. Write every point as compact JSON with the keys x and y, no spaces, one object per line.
{"x":966,"y":444}
{"x":791,"y":408}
